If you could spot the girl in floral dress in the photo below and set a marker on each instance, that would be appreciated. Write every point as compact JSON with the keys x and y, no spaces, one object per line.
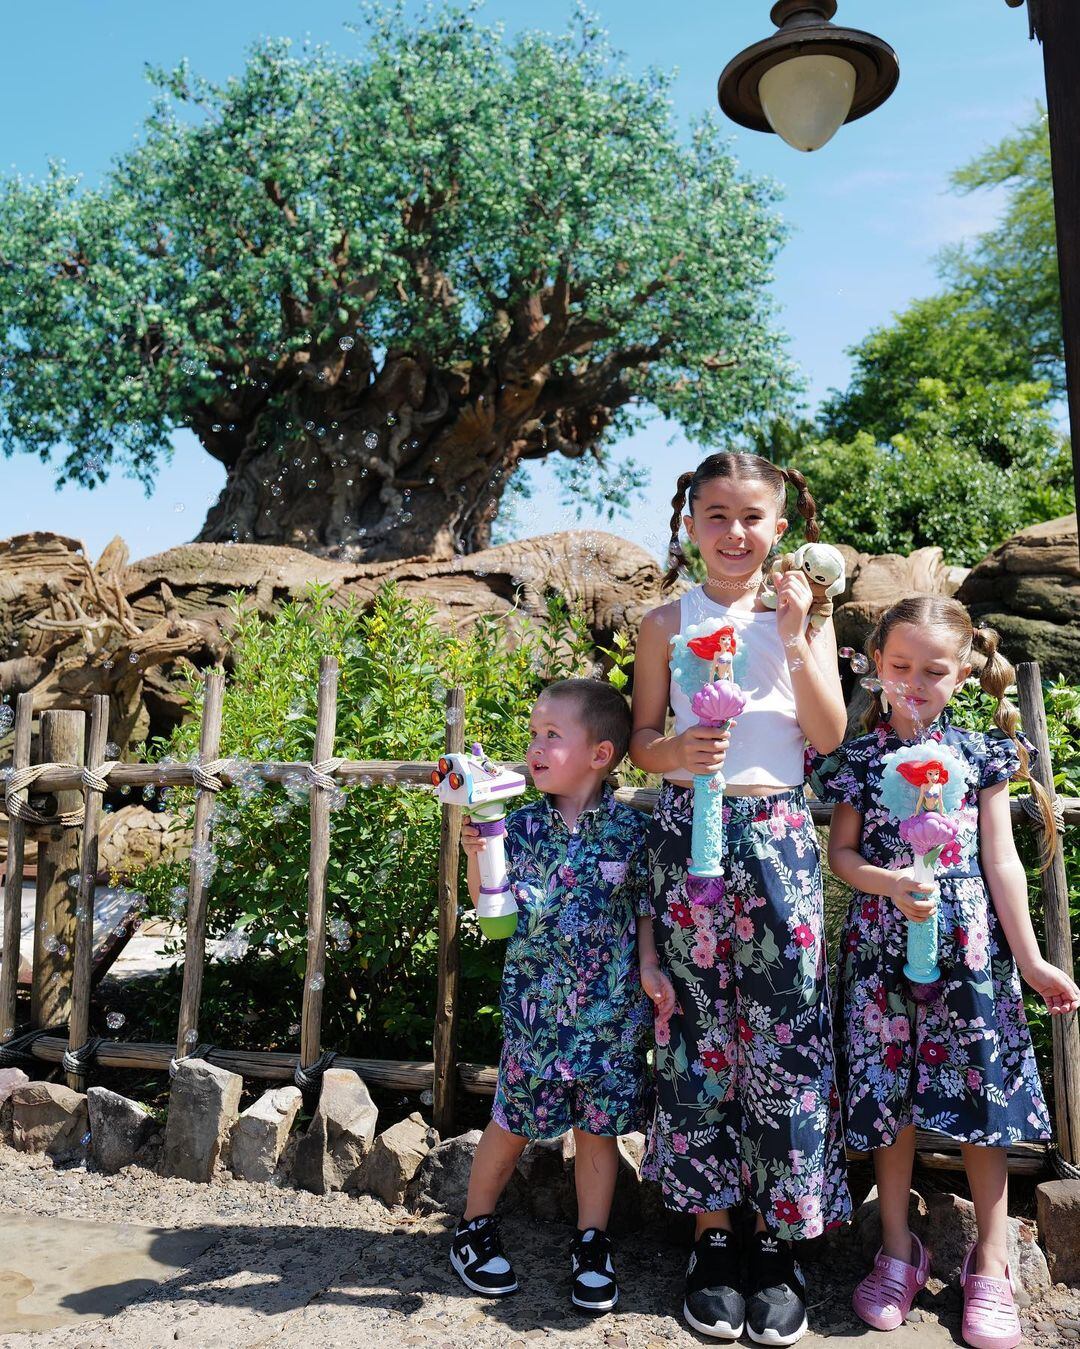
{"x":959,"y":1060}
{"x":747,"y":1110}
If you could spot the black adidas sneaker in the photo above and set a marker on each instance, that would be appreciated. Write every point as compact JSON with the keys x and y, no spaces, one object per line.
{"x":713,"y":1303}
{"x":477,"y":1255}
{"x":594,"y":1288}
{"x":775,"y":1292}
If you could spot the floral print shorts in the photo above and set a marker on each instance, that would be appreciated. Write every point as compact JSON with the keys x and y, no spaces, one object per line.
{"x":747,"y":1110}
{"x":608,"y":1104}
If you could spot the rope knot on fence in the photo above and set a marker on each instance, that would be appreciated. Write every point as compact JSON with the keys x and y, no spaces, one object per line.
{"x":309,"y":1079}
{"x":1030,"y":807}
{"x":321,"y":774}
{"x":77,"y":1060}
{"x":206,"y":775}
{"x":199,"y":1052}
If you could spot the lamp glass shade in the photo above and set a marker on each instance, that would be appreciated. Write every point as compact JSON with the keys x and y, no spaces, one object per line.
{"x":807,"y":98}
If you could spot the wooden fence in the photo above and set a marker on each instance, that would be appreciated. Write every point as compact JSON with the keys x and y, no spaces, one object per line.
{"x":63,"y":930}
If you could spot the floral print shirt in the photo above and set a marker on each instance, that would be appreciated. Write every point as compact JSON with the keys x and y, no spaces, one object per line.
{"x":571,"y":999}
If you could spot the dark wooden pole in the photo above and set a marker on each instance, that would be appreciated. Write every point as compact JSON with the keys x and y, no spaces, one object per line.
{"x":62,"y":734}
{"x":187,"y":1029}
{"x":315,"y":973}
{"x":79,"y":1025}
{"x":444,"y":1041}
{"x":1055,"y":898}
{"x":1057,"y":24}
{"x":9,"y":957}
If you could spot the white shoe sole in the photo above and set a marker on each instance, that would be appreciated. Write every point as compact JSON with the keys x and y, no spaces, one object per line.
{"x":719,"y":1330}
{"x":774,"y":1337}
{"x":595,"y":1306}
{"x":477,"y":1287}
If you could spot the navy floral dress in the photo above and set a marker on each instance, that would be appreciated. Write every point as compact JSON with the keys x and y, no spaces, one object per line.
{"x":573,"y":1008}
{"x":747,"y":1110}
{"x":962,"y":1063}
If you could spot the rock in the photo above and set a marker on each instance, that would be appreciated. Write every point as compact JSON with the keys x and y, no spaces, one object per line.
{"x":204,"y":1103}
{"x":545,"y":1171}
{"x":48,"y":1117}
{"x":950,"y":1230}
{"x":259,"y":1135}
{"x":874,"y":581}
{"x":10,"y":1078}
{"x":395,"y":1158}
{"x":1059,"y":1226}
{"x":134,"y":837}
{"x":866,"y":1221}
{"x":340,"y":1135}
{"x":118,"y":1128}
{"x":1029,"y":589}
{"x":442,"y":1181}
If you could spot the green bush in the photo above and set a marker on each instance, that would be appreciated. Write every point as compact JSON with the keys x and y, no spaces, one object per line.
{"x":395,"y":666}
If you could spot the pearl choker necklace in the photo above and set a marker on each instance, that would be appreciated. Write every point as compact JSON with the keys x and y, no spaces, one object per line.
{"x":749,"y":584}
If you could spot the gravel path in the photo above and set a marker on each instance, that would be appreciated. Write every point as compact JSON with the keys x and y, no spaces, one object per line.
{"x":290,"y":1270}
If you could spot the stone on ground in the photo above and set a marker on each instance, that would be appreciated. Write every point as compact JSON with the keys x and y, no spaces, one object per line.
{"x":10,"y":1078}
{"x":118,"y":1128}
{"x":204,"y":1103}
{"x":442,"y":1182}
{"x":546,"y":1174}
{"x":866,"y":1221}
{"x":48,"y":1117}
{"x":1059,"y":1226}
{"x":395,"y":1158}
{"x":951,"y":1229}
{"x":260,"y":1133}
{"x":340,"y":1135}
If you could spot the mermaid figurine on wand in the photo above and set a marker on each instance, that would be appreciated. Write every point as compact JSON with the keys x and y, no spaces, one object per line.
{"x":922,"y":786}
{"x":703,"y":663}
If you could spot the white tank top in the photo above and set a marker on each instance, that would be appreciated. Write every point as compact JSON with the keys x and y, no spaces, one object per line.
{"x":766,"y":743}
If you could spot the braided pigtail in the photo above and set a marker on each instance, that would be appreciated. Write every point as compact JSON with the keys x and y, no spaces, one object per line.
{"x":805,"y":503}
{"x":996,"y":676}
{"x":676,"y":557}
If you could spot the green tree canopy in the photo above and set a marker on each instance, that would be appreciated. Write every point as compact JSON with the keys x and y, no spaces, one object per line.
{"x":373,"y":286}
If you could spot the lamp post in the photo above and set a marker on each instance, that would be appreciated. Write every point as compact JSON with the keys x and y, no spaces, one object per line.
{"x":809,"y":78}
{"x":1056,"y":24}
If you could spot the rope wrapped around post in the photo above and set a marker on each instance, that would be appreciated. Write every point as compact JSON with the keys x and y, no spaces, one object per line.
{"x":322,"y":774}
{"x":19,"y":1048}
{"x":91,"y":779}
{"x":1030,"y":807}
{"x":78,"y":1060}
{"x":309,"y":1079}
{"x":207,"y":775}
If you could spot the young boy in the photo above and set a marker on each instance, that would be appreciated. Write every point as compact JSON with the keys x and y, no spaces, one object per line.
{"x":576,"y":1022}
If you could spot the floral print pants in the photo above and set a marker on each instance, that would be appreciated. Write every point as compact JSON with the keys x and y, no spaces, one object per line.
{"x":747,"y":1109}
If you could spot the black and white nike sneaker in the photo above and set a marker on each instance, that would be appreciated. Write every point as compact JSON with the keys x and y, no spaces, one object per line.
{"x":594,"y":1288}
{"x":477,"y":1255}
{"x":713,"y":1303}
{"x":775,"y":1292}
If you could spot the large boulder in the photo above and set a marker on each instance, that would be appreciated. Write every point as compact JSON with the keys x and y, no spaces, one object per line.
{"x":1059,"y":1227}
{"x":951,"y":1230}
{"x":134,"y":837}
{"x":340,"y":1135}
{"x":442,"y":1181}
{"x":395,"y":1158}
{"x":260,"y":1133}
{"x":1028,"y":588}
{"x":204,"y":1103}
{"x":876,"y":580}
{"x":118,"y":1128}
{"x":49,"y":1117}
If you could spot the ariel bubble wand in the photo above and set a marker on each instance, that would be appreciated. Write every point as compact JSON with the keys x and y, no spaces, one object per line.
{"x":481,"y":787}
{"x":921,"y":786}
{"x":702,"y":662}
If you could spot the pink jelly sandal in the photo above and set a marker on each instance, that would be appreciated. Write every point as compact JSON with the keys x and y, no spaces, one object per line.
{"x":884,"y":1297}
{"x":990,"y":1317}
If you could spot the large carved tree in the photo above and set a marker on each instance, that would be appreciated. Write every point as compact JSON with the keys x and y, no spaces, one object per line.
{"x":373,"y":286}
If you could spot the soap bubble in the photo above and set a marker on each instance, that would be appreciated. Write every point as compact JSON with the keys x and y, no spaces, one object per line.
{"x":294,"y":1029}
{"x":317,"y":982}
{"x":871,"y":684}
{"x":115,"y":1020}
{"x":190,"y":1037}
{"x":860,"y":663}
{"x":427,"y":1097}
{"x":7,"y":718}
{"x":346,"y":343}
{"x":112,"y":750}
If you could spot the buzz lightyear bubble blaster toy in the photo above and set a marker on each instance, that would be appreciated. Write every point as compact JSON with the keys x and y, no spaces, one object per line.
{"x":703,"y":664}
{"x":473,"y":782}
{"x":921,"y":786}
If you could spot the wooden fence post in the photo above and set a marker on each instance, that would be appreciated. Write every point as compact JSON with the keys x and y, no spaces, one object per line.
{"x":1055,"y":896}
{"x":187,"y":1029}
{"x":319,"y":804}
{"x":9,"y":958}
{"x":62,"y":734}
{"x":444,"y":1040}
{"x":79,"y":1024}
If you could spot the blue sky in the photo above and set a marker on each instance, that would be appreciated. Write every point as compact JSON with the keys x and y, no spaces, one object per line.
{"x":867,"y":212}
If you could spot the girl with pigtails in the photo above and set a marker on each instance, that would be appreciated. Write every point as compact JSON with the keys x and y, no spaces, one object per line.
{"x":747,"y":1113}
{"x":958,"y":1060}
